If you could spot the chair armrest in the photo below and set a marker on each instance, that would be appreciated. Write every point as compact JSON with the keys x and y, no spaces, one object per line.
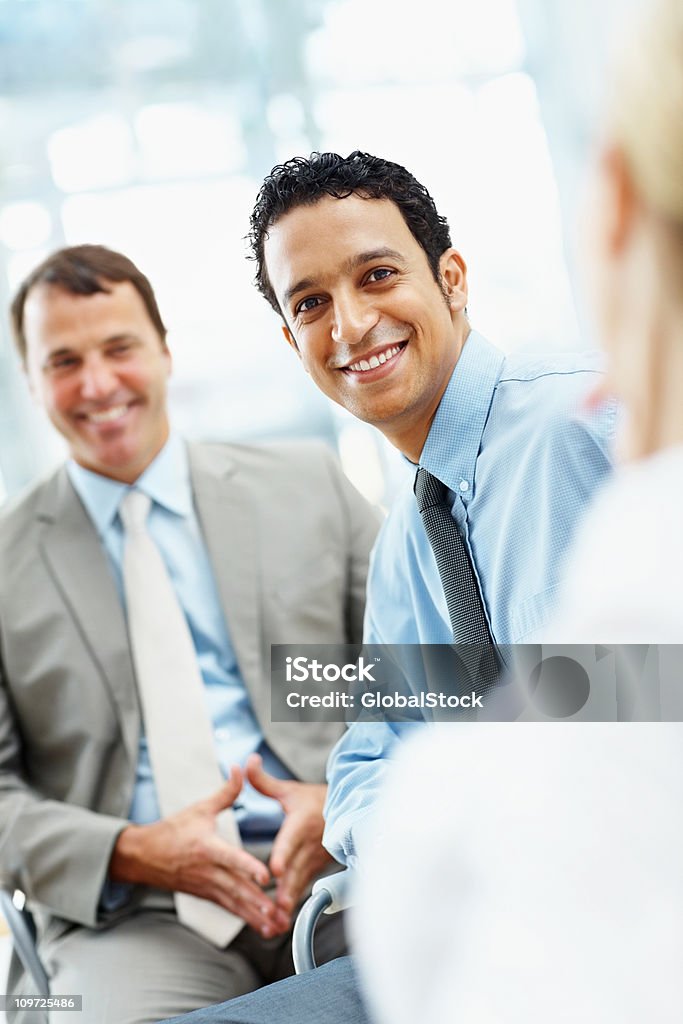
{"x":23,"y":931}
{"x":328,"y":895}
{"x":338,"y":886}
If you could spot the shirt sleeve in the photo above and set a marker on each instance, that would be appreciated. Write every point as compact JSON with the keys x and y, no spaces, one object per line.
{"x":356,"y":772}
{"x":358,"y":765}
{"x":114,"y":896}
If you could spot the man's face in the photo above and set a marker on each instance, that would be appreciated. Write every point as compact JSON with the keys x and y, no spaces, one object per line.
{"x":373,"y":328}
{"x":98,"y":366}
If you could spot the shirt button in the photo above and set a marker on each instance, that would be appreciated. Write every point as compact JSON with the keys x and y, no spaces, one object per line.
{"x":464,"y":486}
{"x":222,"y":735}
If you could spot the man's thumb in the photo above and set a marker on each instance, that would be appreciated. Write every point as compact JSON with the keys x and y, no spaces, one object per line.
{"x":267,"y":784}
{"x":227,"y":794}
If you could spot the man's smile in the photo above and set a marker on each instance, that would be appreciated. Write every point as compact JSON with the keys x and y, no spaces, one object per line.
{"x":106,"y":415}
{"x":109,"y":415}
{"x":380,"y":359}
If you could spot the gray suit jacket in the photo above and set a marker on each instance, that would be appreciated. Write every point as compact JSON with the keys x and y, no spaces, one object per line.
{"x":288,"y":538}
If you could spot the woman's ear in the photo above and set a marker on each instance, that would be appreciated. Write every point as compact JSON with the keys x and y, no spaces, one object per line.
{"x":618,"y":199}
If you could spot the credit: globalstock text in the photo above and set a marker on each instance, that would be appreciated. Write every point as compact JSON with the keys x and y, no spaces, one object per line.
{"x":342,"y":699}
{"x":452,"y":682}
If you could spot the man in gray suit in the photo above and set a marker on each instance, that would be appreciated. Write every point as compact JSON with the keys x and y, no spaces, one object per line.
{"x":262,"y":546}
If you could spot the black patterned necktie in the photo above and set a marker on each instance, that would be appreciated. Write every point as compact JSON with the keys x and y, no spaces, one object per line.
{"x":463,"y":598}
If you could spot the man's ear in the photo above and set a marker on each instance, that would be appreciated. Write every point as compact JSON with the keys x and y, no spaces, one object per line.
{"x":32,"y":378}
{"x":453,"y":270}
{"x":289,"y":338}
{"x":29,"y":381}
{"x":169,"y":358}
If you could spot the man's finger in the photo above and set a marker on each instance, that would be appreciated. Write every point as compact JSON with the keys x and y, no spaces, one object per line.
{"x":238,"y":888}
{"x":256,"y":914}
{"x":267,"y":784}
{"x":291,"y":885}
{"x":238,"y":895}
{"x":288,"y":840}
{"x":236,"y":860}
{"x":309,"y":861}
{"x":227,"y":794}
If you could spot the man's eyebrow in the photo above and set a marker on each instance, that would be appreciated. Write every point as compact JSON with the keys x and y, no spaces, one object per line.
{"x":121,"y":336}
{"x":57,"y":353}
{"x":300,"y":286}
{"x":384,"y":252}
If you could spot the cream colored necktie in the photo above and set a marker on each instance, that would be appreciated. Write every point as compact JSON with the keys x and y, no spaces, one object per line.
{"x":171,"y":688}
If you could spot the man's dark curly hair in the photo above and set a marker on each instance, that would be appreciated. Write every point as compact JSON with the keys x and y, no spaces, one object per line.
{"x":303,"y":181}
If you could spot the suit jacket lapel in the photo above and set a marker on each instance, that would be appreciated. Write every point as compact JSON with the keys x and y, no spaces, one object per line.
{"x":225,"y":509}
{"x":79,"y":566}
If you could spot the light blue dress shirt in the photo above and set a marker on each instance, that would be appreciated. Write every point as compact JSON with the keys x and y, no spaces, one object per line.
{"x":521,"y":460}
{"x":174,"y":527}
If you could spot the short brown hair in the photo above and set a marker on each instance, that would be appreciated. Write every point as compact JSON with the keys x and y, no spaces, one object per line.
{"x":83,"y":270}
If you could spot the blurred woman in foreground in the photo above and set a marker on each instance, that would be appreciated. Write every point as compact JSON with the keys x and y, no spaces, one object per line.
{"x":530,"y":873}
{"x":625,"y":577}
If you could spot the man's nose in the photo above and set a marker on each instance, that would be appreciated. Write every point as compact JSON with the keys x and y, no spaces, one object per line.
{"x":98,"y":379}
{"x":353,"y":319}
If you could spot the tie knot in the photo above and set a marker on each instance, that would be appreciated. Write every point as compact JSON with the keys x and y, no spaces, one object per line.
{"x":134,"y":510}
{"x":429,"y":490}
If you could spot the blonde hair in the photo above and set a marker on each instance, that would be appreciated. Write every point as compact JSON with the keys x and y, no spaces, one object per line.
{"x":647,"y":107}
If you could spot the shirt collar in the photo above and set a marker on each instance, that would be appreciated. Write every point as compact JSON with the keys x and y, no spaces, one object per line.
{"x":454,"y":439}
{"x":166,"y":480}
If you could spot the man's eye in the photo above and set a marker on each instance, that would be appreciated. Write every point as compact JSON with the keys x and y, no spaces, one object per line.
{"x":119,"y":350}
{"x":380,"y":274}
{"x":64,"y":363}
{"x":306,"y":305}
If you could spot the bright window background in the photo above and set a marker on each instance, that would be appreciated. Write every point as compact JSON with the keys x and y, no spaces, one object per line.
{"x":148,"y":125}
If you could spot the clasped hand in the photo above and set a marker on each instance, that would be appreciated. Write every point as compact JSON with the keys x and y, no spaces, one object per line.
{"x":184,"y":853}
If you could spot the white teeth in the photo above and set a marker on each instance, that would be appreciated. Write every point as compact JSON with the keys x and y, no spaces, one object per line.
{"x":107,"y":414}
{"x":374,"y":361}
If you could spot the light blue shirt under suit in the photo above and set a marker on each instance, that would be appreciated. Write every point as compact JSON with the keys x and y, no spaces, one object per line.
{"x":521,"y":460}
{"x":174,"y":527}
